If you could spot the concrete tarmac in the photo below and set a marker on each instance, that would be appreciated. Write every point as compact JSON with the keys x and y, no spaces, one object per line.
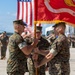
{"x":3,"y":63}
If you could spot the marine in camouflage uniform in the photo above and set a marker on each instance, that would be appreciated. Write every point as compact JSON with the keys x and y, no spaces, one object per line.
{"x":59,"y":65}
{"x":4,"y":42}
{"x":18,"y":50}
{"x":59,"y":54}
{"x":30,"y":64}
{"x":51,"y":39}
{"x":17,"y":60}
{"x":43,"y":44}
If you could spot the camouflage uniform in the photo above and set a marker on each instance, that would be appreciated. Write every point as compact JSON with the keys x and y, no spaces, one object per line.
{"x":59,"y":65}
{"x":16,"y":64}
{"x":30,"y":64}
{"x":4,"y":41}
{"x":43,"y":44}
{"x":50,"y":40}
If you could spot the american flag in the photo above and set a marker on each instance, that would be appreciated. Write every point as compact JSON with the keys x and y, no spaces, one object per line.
{"x":25,"y":11}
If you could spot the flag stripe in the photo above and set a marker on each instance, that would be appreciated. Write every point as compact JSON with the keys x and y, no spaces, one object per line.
{"x":25,"y":12}
{"x":24,"y":19}
{"x":31,"y":13}
{"x":22,"y":10}
{"x":28,"y":13}
{"x":18,"y":12}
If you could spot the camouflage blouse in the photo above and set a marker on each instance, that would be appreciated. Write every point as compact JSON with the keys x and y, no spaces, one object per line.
{"x":59,"y":65}
{"x":17,"y":59}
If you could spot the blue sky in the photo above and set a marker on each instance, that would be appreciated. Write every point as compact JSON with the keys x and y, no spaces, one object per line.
{"x":8,"y":10}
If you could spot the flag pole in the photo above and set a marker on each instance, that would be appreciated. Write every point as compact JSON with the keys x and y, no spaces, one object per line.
{"x":36,"y":70}
{"x":34,"y":30}
{"x":35,"y":18}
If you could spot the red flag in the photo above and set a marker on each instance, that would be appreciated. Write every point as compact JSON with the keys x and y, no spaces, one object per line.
{"x":55,"y":10}
{"x":25,"y":11}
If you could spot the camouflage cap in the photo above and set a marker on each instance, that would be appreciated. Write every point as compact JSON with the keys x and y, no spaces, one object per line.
{"x":38,"y":29}
{"x":60,"y":23}
{"x":20,"y":22}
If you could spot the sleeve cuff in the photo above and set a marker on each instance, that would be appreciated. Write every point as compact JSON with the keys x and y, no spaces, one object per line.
{"x":54,"y":52}
{"x":22,"y":45}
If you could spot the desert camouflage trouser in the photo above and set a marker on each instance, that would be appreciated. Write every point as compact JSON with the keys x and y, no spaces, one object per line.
{"x":58,"y":69}
{"x":41,"y":70}
{"x":30,"y":64}
{"x":3,"y":51}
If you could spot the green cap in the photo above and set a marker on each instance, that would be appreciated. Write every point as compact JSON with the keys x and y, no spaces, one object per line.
{"x":38,"y":29}
{"x":20,"y":22}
